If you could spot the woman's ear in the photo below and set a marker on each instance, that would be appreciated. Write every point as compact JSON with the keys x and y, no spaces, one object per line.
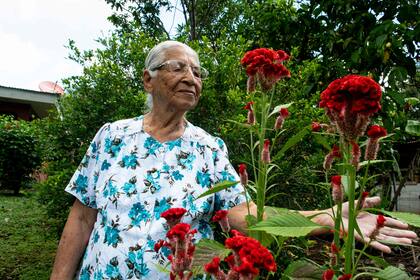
{"x":147,"y":81}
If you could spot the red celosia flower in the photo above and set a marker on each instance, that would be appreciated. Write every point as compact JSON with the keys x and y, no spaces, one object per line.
{"x":251,"y":115}
{"x":213,"y":266}
{"x":334,"y":248}
{"x":221,"y":218}
{"x":284,"y":113}
{"x":173,"y":215}
{"x":267,"y":65}
{"x":380,"y":221}
{"x":243,"y":174}
{"x":235,"y":232}
{"x":265,"y":155}
{"x":178,"y":231}
{"x":337,"y":189}
{"x":345,"y":277}
{"x":376,"y":131}
{"x":251,"y":84}
{"x":246,"y":268}
{"x":316,"y":126}
{"x":329,"y":158}
{"x":349,"y":103}
{"x":328,"y":274}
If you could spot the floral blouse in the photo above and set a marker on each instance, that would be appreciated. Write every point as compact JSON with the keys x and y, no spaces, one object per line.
{"x":131,"y":178}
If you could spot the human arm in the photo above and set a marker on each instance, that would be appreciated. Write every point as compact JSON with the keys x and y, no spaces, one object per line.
{"x":73,"y":241}
{"x":394,"y":231}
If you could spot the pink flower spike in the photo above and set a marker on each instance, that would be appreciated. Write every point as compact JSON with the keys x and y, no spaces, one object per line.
{"x":376,"y":131}
{"x":329,"y":158}
{"x":265,"y":155}
{"x":284,"y":112}
{"x":251,"y":115}
{"x":337,"y":189}
{"x":243,"y":174}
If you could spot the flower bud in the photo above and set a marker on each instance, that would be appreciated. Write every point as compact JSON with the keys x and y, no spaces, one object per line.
{"x":337,"y":189}
{"x":316,"y":126}
{"x":251,"y":115}
{"x":265,"y":155}
{"x":243,"y":175}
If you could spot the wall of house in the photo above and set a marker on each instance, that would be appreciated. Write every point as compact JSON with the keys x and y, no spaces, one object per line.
{"x":18,"y":110}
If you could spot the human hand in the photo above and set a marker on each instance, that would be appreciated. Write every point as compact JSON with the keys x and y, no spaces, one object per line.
{"x":394,"y":231}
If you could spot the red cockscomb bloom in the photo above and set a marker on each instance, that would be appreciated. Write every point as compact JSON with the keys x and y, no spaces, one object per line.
{"x":345,"y":277}
{"x":265,"y":155}
{"x":316,"y":126}
{"x":329,"y":158}
{"x":283,"y":114}
{"x":337,"y":189}
{"x":349,"y":102}
{"x":221,"y":217}
{"x":243,"y":174}
{"x":251,"y":115}
{"x":213,"y":266}
{"x":375,"y":132}
{"x":328,"y":274}
{"x":173,"y":215}
{"x":266,"y":65}
{"x":380,"y":221}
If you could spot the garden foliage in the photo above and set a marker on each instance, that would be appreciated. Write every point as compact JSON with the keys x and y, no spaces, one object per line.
{"x":19,"y":153}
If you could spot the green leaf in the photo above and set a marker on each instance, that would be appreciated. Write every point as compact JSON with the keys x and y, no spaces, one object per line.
{"x":217,"y":188}
{"x":409,"y":218}
{"x":291,"y":142}
{"x":345,"y":182}
{"x":322,"y":141}
{"x":302,"y":270}
{"x":412,"y":100}
{"x":413,"y":127}
{"x":288,"y":224}
{"x":206,"y":250}
{"x":391,"y":273}
{"x":277,"y":108}
{"x":372,"y":162}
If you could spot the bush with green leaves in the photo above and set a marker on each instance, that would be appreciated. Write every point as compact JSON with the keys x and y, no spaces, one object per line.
{"x":19,"y":153}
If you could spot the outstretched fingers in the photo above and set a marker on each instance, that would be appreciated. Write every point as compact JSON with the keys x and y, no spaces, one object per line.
{"x":395,"y":232}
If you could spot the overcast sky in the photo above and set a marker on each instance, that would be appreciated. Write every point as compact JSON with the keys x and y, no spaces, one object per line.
{"x":33,"y":35}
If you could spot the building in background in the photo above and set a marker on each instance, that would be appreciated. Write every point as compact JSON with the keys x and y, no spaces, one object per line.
{"x":26,"y":104}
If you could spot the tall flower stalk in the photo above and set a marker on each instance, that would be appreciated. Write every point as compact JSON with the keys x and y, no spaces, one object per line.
{"x":349,"y":103}
{"x":264,"y":68}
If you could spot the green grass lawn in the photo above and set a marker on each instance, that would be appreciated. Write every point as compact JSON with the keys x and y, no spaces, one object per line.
{"x":27,"y":244}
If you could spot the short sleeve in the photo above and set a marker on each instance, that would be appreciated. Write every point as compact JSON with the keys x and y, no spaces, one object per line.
{"x":224,"y":171}
{"x":83,"y":183}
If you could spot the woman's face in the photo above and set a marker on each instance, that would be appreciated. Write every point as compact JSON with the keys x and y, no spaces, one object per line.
{"x":175,"y":90}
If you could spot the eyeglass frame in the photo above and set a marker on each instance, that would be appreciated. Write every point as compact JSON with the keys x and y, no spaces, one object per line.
{"x":203,"y":71}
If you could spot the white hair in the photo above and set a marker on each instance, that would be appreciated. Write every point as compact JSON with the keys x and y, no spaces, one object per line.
{"x":156,"y":56}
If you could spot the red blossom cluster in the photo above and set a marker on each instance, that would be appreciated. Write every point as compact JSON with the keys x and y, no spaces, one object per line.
{"x":173,"y":215}
{"x":375,"y":132}
{"x":221,"y":218}
{"x":328,"y":274}
{"x":349,"y":102}
{"x":247,"y":258}
{"x":266,"y":65}
{"x":345,"y":277}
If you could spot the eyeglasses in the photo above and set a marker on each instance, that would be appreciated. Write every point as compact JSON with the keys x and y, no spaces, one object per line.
{"x":179,"y":67}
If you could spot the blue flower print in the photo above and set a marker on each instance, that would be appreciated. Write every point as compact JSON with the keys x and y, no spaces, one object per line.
{"x":160,"y":207}
{"x":203,"y":178}
{"x":129,"y":188}
{"x":172,"y":144}
{"x":112,"y":270}
{"x":177,"y":175}
{"x":98,"y":275}
{"x":188,"y":161}
{"x":226,"y":176}
{"x":129,"y":161}
{"x":85,"y":273}
{"x":105,"y":165}
{"x":110,"y":190}
{"x":151,"y":145}
{"x":81,"y":184}
{"x":165,"y":168}
{"x":189,"y":204}
{"x":204,"y":228}
{"x":113,"y":147}
{"x":205,"y":207}
{"x":112,"y":236}
{"x":152,"y":180}
{"x":136,"y":266}
{"x":220,"y":143}
{"x":138,"y":214}
{"x":95,"y":237}
{"x":94,"y":147}
{"x":85,"y":161}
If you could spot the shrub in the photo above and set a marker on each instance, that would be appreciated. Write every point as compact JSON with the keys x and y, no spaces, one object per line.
{"x":19,"y":155}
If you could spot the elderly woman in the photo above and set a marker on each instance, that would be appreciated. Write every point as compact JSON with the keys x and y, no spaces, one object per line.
{"x":136,"y":169}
